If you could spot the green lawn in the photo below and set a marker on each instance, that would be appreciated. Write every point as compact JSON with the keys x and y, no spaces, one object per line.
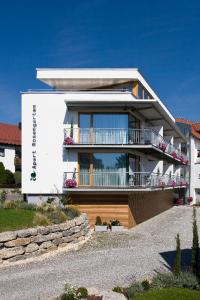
{"x":13,"y":219}
{"x":169,"y":294}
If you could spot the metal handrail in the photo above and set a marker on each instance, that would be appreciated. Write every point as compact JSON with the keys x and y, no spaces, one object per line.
{"x":122,"y":180}
{"x":123,"y":136}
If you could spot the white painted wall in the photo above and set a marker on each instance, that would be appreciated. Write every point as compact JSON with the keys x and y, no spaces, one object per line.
{"x":9,"y":159}
{"x":52,"y":160}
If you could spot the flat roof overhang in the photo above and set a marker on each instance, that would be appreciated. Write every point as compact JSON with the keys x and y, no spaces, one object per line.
{"x":152,"y":110}
{"x":144,"y":149}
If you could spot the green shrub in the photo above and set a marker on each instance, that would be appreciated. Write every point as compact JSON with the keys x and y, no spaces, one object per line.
{"x":41,"y":220}
{"x":82,"y":293}
{"x":146,"y":285}
{"x":17,"y":176}
{"x":57,"y":217}
{"x":72,"y":212}
{"x":3,"y":195}
{"x":2,"y":174}
{"x":195,"y":245}
{"x":27,"y":206}
{"x":10,"y":179}
{"x":98,"y":221}
{"x":169,"y":280}
{"x":177,"y":263}
{"x":115,"y":223}
{"x":135,"y":289}
{"x":45,"y":207}
{"x":118,"y":289}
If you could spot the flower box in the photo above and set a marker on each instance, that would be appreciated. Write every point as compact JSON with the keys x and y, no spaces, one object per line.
{"x":162,"y":184}
{"x":117,"y":228}
{"x":68,"y":141}
{"x":162,"y":147}
{"x":173,"y":184}
{"x":173,"y":154}
{"x":71,"y":183}
{"x":101,"y":228}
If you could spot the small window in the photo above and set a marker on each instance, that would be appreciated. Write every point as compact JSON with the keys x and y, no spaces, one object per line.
{"x":198,"y":153}
{"x":2,"y":152}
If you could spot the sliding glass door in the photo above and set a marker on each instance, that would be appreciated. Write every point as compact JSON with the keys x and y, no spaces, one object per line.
{"x":103,"y":169}
{"x":107,"y":128}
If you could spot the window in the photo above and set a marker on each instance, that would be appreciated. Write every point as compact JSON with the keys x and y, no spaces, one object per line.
{"x":2,"y":152}
{"x":198,"y":153}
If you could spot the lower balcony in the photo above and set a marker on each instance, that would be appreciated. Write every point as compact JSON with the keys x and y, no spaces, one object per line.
{"x":120,"y":180}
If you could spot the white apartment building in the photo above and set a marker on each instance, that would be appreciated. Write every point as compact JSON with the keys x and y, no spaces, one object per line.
{"x":104,"y":138}
{"x":192,"y":131}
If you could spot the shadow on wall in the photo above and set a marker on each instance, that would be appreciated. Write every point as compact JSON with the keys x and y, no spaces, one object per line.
{"x":169,"y":258}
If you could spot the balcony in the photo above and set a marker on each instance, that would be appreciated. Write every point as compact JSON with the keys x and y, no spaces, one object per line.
{"x":116,"y":180}
{"x":144,"y":140}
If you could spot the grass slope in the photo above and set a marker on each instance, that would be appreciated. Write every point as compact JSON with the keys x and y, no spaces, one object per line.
{"x":170,"y":294}
{"x":13,"y":219}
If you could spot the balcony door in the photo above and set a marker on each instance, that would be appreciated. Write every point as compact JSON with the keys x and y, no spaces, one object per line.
{"x":103,"y":169}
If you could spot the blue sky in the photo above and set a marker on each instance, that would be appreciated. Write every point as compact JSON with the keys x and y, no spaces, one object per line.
{"x":161,"y":38}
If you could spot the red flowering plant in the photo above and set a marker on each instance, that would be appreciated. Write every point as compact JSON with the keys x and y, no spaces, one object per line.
{"x":71,"y":183}
{"x":189,"y":199}
{"x":186,"y":161}
{"x":173,"y":154}
{"x":182,"y":160}
{"x":162,"y":147}
{"x":179,"y":201}
{"x":173,"y":184}
{"x":68,"y":141}
{"x":162,"y":184}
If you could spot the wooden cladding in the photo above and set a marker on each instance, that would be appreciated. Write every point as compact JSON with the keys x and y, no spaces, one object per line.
{"x":130,"y":209}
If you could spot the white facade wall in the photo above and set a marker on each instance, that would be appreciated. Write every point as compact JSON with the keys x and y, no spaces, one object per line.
{"x":194,"y":169}
{"x":51,"y":118}
{"x":8,"y":159}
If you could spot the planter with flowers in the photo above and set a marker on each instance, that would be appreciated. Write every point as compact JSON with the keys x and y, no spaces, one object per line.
{"x":179,"y":201}
{"x":162,"y":184}
{"x":189,"y":200}
{"x":71,"y":183}
{"x":182,"y":160}
{"x":116,"y":226}
{"x":173,"y":184}
{"x":162,"y":147}
{"x":173,"y":154}
{"x":68,"y":141}
{"x":99,"y":226}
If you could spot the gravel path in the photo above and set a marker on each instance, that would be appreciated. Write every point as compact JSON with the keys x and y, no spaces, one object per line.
{"x":105,"y":261}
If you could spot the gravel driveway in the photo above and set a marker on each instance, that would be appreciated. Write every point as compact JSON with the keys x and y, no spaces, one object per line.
{"x":105,"y":261}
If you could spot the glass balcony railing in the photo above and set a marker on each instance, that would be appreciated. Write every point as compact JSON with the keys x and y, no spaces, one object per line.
{"x":120,"y":179}
{"x":121,"y":136}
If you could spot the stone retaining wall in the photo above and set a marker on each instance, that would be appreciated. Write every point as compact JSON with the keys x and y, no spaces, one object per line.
{"x":27,"y":243}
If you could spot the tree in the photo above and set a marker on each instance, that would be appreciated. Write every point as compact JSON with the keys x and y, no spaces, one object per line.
{"x":195,"y":245}
{"x":177,"y":262}
{"x":10,"y":179}
{"x":2,"y":174}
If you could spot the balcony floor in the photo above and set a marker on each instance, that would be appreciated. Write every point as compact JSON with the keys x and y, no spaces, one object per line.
{"x":146,"y":149}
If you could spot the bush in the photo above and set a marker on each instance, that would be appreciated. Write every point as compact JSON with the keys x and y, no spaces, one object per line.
{"x":177,"y":263}
{"x":2,"y":174}
{"x":12,"y":204}
{"x":57,"y":217}
{"x":98,"y":221}
{"x":135,"y":289}
{"x":72,"y":212}
{"x":195,"y":245}
{"x":72,"y":293}
{"x":115,"y":223}
{"x":27,"y":206}
{"x":41,"y":220}
{"x":3,"y":195}
{"x":17,"y":176}
{"x":146,"y":285}
{"x":10,"y":179}
{"x":168,"y":280}
{"x":118,"y":289}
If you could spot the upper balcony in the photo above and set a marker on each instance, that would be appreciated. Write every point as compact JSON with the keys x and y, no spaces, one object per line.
{"x":146,"y":140}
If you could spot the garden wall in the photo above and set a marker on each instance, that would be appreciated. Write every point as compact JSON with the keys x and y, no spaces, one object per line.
{"x":12,"y":193}
{"x":27,"y":243}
